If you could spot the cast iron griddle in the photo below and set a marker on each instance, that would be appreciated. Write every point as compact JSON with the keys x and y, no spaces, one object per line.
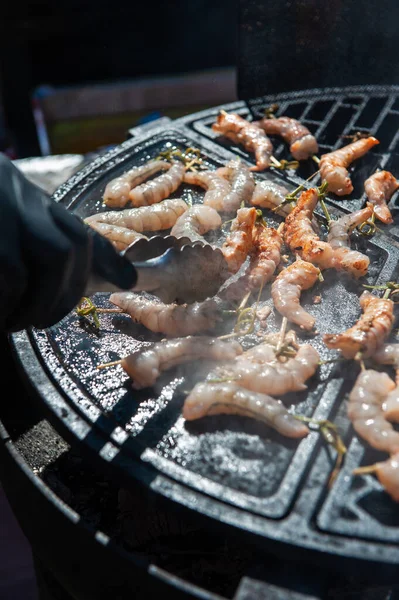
{"x":232,"y":469}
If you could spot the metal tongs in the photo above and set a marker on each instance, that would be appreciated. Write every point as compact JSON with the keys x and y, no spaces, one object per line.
{"x":175,"y":270}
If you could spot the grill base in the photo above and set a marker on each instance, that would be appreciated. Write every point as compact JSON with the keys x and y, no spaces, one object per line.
{"x":284,"y":507}
{"x":46,"y":482}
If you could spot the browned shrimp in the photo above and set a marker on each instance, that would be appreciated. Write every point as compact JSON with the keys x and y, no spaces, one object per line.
{"x":379,"y":189}
{"x":302,"y":143}
{"x":265,"y":255}
{"x":117,"y":191}
{"x":300,"y":236}
{"x":366,"y":410}
{"x":228,"y":398}
{"x":120,"y":237}
{"x":146,"y":218}
{"x":174,"y":320}
{"x":159,"y":188}
{"x":346,"y":259}
{"x":287,"y":289}
{"x":250,"y":135}
{"x":239,"y":242}
{"x":145,"y":366}
{"x":334,"y":165}
{"x":217,"y":188}
{"x":370,"y":331}
{"x":242,"y":185}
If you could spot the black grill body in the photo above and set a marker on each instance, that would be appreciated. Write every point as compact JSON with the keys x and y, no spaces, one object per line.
{"x":233,"y":473}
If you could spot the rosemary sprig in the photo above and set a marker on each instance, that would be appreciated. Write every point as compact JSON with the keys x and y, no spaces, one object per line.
{"x":329,"y":431}
{"x":391,"y":288}
{"x":86,"y":308}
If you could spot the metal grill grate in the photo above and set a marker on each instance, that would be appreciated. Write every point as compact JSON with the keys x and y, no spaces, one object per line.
{"x":241,"y":475}
{"x":329,"y":115}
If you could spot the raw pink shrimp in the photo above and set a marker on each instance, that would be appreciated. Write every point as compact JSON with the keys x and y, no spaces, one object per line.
{"x":346,"y":259}
{"x":287,"y":289}
{"x":217,"y":188}
{"x":379,"y":189}
{"x":387,"y":354}
{"x":121,"y":237}
{"x":117,"y":191}
{"x":388,"y":475}
{"x":265,"y":255}
{"x":239,"y":241}
{"x":300,"y":236}
{"x":228,"y":398}
{"x":250,"y":135}
{"x":302,"y":143}
{"x":369,"y":332}
{"x":145,"y":366}
{"x":195,"y":222}
{"x":391,"y":404}
{"x":242,"y":184}
{"x":271,"y":195}
{"x":333,"y":166}
{"x":366,"y":410}
{"x":146,"y":218}
{"x":276,"y":378}
{"x":171,"y":319}
{"x":159,"y":188}
{"x":260,"y":354}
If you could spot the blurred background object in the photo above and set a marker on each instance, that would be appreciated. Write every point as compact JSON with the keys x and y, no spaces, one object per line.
{"x":76,"y":75}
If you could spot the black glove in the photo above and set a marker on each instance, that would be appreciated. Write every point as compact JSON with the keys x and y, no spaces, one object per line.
{"x":46,"y":255}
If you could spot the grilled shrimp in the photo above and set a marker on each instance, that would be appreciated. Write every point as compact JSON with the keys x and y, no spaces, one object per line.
{"x":146,"y":218}
{"x":334,"y":165}
{"x":302,"y":143}
{"x":117,"y":191}
{"x":217,"y":188}
{"x":239,"y":241}
{"x":195,"y":222}
{"x":366,"y":410}
{"x":388,"y":475}
{"x":242,"y":184}
{"x":250,"y":135}
{"x":121,"y":237}
{"x":370,"y":331}
{"x":379,"y":189}
{"x":228,"y":398}
{"x":265,"y":255}
{"x":159,"y":188}
{"x":271,"y":195}
{"x":287,"y":289}
{"x":277,"y":378}
{"x":300,"y":236}
{"x":346,"y":259}
{"x":145,"y":366}
{"x":171,"y":319}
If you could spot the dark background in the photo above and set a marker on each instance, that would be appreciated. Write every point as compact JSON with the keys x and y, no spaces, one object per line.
{"x":79,"y":42}
{"x":273,"y":47}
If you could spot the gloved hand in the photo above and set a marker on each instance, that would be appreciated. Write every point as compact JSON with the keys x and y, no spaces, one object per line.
{"x":46,"y":255}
